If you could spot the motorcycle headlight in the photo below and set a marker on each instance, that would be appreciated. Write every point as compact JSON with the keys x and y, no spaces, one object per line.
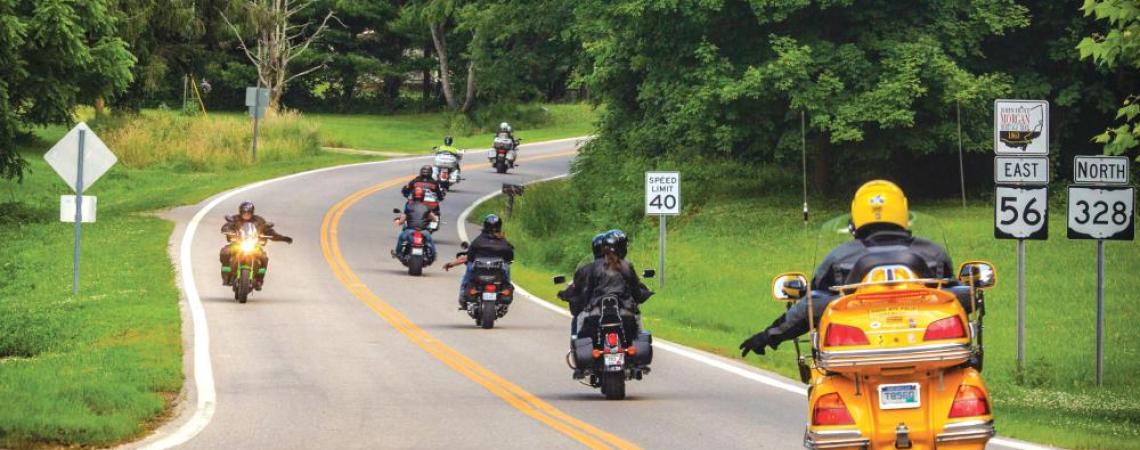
{"x":248,"y":245}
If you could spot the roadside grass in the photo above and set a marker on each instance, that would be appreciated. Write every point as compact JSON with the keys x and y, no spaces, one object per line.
{"x":723,"y":254}
{"x":105,"y":366}
{"x":418,"y":133}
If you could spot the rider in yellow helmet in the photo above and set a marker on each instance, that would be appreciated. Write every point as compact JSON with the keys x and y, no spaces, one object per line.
{"x":880,"y":223}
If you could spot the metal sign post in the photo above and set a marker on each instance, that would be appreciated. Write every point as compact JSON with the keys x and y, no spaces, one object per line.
{"x":257,"y":99}
{"x":1101,"y":207}
{"x":80,"y":158}
{"x":1021,"y":176}
{"x":662,"y":199}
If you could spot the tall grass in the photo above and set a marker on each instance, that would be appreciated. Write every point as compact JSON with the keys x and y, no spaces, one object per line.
{"x":200,"y":144}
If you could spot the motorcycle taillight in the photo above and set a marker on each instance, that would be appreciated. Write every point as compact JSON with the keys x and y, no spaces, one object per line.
{"x":612,"y":339}
{"x":418,"y":239}
{"x":490,"y":288}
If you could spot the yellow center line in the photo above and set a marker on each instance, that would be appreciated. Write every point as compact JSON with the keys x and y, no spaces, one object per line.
{"x":509,"y":392}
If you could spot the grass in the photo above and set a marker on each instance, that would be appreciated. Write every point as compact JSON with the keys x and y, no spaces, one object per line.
{"x":418,"y":133}
{"x":105,"y":366}
{"x":723,"y":254}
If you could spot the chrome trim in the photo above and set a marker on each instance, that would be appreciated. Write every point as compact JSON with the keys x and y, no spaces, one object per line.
{"x":923,"y":281}
{"x":903,"y":356}
{"x":834,"y":439}
{"x":966,"y":431}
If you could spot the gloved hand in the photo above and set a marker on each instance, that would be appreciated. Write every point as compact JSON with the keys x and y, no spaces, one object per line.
{"x":287,"y":239}
{"x":756,"y":343}
{"x":562,"y":295}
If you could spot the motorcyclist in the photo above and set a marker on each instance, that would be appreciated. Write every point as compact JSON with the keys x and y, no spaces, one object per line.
{"x":572,"y":292}
{"x":417,"y":216}
{"x":231,"y":227}
{"x":454,"y":151}
{"x":489,"y":244}
{"x":880,"y":223}
{"x":610,"y":274}
{"x":423,"y":180}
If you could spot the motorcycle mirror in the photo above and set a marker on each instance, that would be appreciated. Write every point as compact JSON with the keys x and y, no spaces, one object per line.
{"x":979,"y":274}
{"x":396,"y":210}
{"x":789,"y":287}
{"x":559,"y":279}
{"x":649,"y":273}
{"x":464,"y":245}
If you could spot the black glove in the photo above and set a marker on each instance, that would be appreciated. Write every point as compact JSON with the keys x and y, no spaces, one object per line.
{"x":756,"y":343}
{"x":287,"y":239}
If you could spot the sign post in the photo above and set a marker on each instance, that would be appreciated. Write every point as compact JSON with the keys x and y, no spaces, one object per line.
{"x":1101,"y":207}
{"x":80,"y":158}
{"x":1021,"y":176}
{"x":662,"y":199}
{"x":257,"y":99}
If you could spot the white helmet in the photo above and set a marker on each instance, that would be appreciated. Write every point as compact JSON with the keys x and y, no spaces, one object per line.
{"x":505,"y":127}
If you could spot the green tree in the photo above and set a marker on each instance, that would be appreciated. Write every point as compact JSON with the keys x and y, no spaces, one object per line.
{"x":54,"y":54}
{"x":1119,"y":47}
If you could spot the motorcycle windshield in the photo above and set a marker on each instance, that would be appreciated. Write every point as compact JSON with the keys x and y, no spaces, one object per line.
{"x":248,"y":231}
{"x":837,"y":231}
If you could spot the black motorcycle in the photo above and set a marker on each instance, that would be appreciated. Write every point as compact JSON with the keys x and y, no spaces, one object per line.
{"x":610,"y":348}
{"x":416,"y":254}
{"x":488,"y":293}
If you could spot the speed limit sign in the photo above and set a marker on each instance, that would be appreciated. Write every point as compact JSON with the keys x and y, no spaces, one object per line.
{"x":1102,"y":212}
{"x":1021,"y":213}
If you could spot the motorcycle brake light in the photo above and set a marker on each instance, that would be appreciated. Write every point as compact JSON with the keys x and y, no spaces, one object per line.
{"x":418,"y":239}
{"x":841,"y":335}
{"x":948,"y":328}
{"x":830,"y":410}
{"x":473,"y":291}
{"x":490,"y":288}
{"x":612,"y":339}
{"x":970,"y":401}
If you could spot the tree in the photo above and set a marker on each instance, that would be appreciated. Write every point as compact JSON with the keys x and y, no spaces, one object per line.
{"x":54,"y":55}
{"x":1118,"y":48}
{"x":279,"y":41}
{"x":438,"y":16}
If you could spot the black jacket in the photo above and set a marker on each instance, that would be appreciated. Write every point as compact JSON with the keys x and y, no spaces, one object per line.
{"x":487,"y":245}
{"x":839,"y":263}
{"x":234,"y":223}
{"x":417,"y":216}
{"x":427,"y":182}
{"x":593,"y":281}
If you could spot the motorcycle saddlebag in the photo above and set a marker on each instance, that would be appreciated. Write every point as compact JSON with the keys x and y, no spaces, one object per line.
{"x":644,"y":346}
{"x":583,"y":353}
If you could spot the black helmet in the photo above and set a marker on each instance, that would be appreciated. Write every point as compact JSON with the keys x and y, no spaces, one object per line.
{"x":447,"y":140}
{"x":425,"y":171}
{"x":246,"y":206}
{"x":492,"y":224}
{"x":596,"y":244}
{"x":617,"y":242}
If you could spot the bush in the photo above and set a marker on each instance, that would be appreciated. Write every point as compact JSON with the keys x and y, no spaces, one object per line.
{"x":206,"y":143}
{"x":487,"y":119}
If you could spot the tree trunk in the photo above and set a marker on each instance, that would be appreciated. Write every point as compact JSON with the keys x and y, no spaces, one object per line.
{"x":440,"y":39}
{"x":470,"y":87}
{"x":100,"y":106}
{"x":427,"y":76}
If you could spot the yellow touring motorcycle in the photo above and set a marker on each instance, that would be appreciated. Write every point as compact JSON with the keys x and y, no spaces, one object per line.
{"x":895,"y":360}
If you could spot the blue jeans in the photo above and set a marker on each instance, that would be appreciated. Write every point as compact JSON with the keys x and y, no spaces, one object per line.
{"x":406,"y":237}
{"x":467,"y":278}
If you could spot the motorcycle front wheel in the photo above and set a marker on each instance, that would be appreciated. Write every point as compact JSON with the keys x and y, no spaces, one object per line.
{"x":242,"y":286}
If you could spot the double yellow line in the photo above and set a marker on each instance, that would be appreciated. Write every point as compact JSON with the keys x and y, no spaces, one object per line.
{"x":509,"y":392}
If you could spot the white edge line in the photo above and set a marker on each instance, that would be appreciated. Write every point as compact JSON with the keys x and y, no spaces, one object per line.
{"x":203,"y":368}
{"x":687,"y":352}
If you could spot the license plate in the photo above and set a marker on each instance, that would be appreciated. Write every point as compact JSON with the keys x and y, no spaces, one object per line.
{"x":615,"y":359}
{"x":490,"y":296}
{"x":899,"y":396}
{"x":417,"y":251}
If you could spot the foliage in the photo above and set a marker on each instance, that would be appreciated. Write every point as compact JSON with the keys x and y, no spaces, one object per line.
{"x":1118,"y":48}
{"x":54,"y":55}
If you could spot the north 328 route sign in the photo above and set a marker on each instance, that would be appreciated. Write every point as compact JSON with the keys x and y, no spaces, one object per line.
{"x":1021,"y":213}
{"x":1102,"y":212}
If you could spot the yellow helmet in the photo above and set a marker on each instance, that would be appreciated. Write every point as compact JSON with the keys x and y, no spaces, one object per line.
{"x":879,"y":201}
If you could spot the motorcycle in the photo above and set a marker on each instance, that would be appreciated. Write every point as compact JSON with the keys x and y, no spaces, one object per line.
{"x":432,"y":201}
{"x":445,"y":168}
{"x":416,"y":254}
{"x":488,"y":294}
{"x":246,"y":247}
{"x":610,"y":348}
{"x":895,"y":359}
{"x":503,"y":153}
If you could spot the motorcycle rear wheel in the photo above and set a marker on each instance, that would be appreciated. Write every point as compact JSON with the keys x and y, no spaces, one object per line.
{"x":416,"y":266}
{"x":613,"y":385}
{"x":501,"y":166}
{"x":487,"y":316}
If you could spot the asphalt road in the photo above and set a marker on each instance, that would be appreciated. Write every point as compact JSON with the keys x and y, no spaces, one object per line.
{"x":342,"y":349}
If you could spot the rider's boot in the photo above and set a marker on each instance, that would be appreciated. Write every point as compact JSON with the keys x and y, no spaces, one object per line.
{"x":227,"y":280}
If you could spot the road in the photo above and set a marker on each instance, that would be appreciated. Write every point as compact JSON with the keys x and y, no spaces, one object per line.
{"x":342,"y":349}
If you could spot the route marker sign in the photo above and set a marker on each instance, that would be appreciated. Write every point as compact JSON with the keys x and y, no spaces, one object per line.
{"x":1103,"y":207}
{"x":662,"y":199}
{"x":1021,"y":213}
{"x":1021,"y":127}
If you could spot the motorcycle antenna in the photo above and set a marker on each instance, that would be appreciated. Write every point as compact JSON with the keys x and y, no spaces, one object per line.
{"x":803,"y":161}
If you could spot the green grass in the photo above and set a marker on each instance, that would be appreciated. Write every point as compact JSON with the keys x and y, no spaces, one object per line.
{"x":723,"y":255}
{"x":418,"y":133}
{"x":104,"y":366}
